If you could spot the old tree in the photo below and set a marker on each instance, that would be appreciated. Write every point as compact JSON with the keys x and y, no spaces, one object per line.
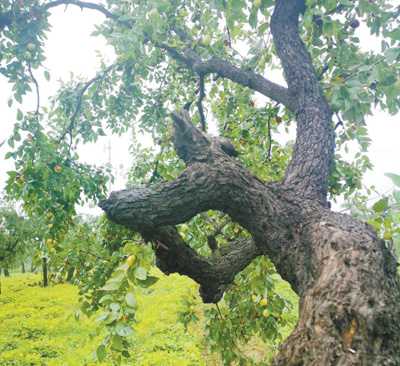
{"x":181,"y":67}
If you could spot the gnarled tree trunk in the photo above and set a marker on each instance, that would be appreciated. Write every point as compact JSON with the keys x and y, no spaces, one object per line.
{"x":345,"y":275}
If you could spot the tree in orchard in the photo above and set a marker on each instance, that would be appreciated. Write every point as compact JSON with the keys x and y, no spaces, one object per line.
{"x":18,"y":235}
{"x":179,"y":68}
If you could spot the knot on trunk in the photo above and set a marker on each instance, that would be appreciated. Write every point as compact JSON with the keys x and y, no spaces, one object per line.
{"x":191,"y":144}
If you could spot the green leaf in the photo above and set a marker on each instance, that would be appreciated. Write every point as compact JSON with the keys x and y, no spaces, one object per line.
{"x":130,"y":299}
{"x":396,"y":196}
{"x":110,"y":287}
{"x":392,"y":53}
{"x":381,"y":205}
{"x":101,"y":353}
{"x":20,"y":115}
{"x":149,"y":281}
{"x":11,"y":142}
{"x":10,"y":102}
{"x":124,"y":330}
{"x":47,"y":75}
{"x":375,"y":224}
{"x":8,"y":155}
{"x":106,"y":299}
{"x":395,"y":178}
{"x":141,"y":273}
{"x":18,"y":98}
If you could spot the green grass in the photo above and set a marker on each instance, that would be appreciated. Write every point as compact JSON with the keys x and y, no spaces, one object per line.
{"x":38,"y":326}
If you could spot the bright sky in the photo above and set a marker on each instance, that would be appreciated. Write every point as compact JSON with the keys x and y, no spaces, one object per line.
{"x":70,"y":48}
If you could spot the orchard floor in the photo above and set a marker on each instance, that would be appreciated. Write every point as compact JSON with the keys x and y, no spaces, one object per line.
{"x":38,"y":327}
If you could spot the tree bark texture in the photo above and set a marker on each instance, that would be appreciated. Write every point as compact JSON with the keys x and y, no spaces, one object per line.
{"x":345,"y":275}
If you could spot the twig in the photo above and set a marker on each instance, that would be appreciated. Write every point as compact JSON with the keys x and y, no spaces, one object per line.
{"x":84,"y":4}
{"x":355,"y":74}
{"x":94,"y":255}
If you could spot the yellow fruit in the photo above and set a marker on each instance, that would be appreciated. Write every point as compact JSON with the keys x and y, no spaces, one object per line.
{"x":254,"y":297}
{"x":209,"y":323}
{"x":257,"y":3}
{"x":236,"y":230}
{"x":184,"y":227}
{"x":54,"y":241}
{"x":31,"y":46}
{"x":261,"y":64}
{"x":207,"y":40}
{"x":263,"y":302}
{"x":191,"y":308}
{"x":27,"y":55}
{"x":266,"y":313}
{"x":49,"y":214}
{"x":131,"y":260}
{"x":49,"y":241}
{"x":50,"y":226}
{"x":53,"y":250}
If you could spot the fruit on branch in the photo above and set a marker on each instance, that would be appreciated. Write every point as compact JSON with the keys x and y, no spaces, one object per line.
{"x":49,"y":214}
{"x":207,"y":40}
{"x":261,"y":63}
{"x":27,"y":55}
{"x":50,"y":226}
{"x":53,"y":250}
{"x":153,"y":13}
{"x":131,"y":260}
{"x":49,"y":241}
{"x":31,"y":47}
{"x":23,"y":178}
{"x":266,"y":313}
{"x":57,"y":169}
{"x":278,"y":119}
{"x":257,"y":3}
{"x":354,"y":23}
{"x":263,"y":302}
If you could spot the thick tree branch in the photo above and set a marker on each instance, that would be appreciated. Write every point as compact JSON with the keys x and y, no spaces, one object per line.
{"x":213,"y":277}
{"x":313,"y":152}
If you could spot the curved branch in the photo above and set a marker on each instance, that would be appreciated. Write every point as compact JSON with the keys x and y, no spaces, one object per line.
{"x":84,"y":4}
{"x":213,"y":278}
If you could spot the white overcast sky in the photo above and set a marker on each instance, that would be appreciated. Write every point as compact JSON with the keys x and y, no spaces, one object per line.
{"x":70,"y":48}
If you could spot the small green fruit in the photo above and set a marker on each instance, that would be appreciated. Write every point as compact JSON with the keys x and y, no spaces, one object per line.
{"x":266,"y":313}
{"x":27,"y":55}
{"x":263,"y":302}
{"x":207,"y":40}
{"x":31,"y":47}
{"x":153,"y":13}
{"x":261,"y":64}
{"x":257,"y":3}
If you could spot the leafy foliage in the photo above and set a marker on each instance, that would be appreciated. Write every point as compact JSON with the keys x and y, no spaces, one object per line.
{"x":149,"y":77}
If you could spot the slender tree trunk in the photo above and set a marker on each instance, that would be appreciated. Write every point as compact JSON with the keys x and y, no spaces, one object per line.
{"x":32,"y":267}
{"x":22,"y":267}
{"x":44,"y":272}
{"x":6,"y":272}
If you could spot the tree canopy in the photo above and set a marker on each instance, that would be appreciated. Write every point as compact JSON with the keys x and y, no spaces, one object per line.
{"x":210,"y":205}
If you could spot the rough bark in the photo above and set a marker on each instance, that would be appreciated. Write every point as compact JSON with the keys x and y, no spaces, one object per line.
{"x":345,"y":275}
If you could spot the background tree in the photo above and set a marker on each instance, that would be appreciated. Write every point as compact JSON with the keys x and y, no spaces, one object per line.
{"x":18,"y":235}
{"x":181,"y":65}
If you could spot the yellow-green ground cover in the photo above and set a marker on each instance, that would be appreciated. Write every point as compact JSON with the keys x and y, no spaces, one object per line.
{"x":37,"y":326}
